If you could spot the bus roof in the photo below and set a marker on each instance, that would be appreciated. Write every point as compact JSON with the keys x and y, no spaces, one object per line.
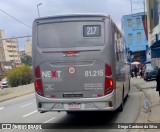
{"x":74,"y":15}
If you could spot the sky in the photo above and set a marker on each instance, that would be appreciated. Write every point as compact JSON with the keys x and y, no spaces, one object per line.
{"x":26,"y":11}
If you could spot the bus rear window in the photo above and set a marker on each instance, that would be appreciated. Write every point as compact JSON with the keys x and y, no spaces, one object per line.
{"x":70,"y":34}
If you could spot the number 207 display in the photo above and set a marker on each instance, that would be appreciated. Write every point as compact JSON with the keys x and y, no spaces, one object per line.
{"x":91,"y":30}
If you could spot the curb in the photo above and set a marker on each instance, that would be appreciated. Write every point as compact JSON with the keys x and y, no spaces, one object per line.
{"x":146,"y":102}
{"x":10,"y":93}
{"x":2,"y":100}
{"x":146,"y":97}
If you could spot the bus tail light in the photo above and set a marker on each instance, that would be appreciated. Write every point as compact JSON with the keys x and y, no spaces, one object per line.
{"x":71,"y":52}
{"x":99,"y":95}
{"x":37,"y":72}
{"x":108,"y":81}
{"x":108,"y":86}
{"x":38,"y":87}
{"x":108,"y":70}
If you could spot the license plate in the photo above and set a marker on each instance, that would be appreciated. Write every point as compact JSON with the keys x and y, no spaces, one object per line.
{"x":74,"y":106}
{"x":72,"y":95}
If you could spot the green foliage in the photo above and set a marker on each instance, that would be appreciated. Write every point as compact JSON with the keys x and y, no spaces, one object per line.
{"x":20,"y":76}
{"x":27,"y":60}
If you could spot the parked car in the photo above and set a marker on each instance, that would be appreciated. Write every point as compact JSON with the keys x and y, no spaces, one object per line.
{"x":4,"y":83}
{"x":150,"y":72}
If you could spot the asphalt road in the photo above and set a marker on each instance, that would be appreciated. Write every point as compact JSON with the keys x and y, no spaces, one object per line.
{"x":23,"y":110}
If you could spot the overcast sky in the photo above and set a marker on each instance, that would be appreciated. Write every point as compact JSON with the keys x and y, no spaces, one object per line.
{"x":26,"y":11}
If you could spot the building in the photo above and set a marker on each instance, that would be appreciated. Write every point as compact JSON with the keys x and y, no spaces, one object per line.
{"x":12,"y":51}
{"x":134,"y":28}
{"x":28,"y":47}
{"x":9,"y":49}
{"x":153,"y":13}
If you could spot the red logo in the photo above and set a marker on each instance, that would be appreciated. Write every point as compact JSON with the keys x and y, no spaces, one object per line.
{"x":54,"y":75}
{"x":72,"y":70}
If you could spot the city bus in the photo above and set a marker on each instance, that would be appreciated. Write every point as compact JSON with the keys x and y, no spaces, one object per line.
{"x":79,"y":63}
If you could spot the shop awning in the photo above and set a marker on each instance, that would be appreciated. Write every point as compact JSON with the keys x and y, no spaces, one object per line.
{"x":147,"y":62}
{"x":155,"y":49}
{"x":155,"y":45}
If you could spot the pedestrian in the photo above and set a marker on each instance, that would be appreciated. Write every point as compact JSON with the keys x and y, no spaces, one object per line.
{"x":158,"y":82}
{"x":135,"y":71}
{"x":140,"y":72}
{"x":143,"y":70}
{"x":132,"y":73}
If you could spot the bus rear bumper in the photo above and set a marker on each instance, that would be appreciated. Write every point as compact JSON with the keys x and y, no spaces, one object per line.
{"x":105,"y":103}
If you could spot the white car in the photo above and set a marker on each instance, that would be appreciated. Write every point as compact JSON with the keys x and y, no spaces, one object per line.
{"x":4,"y":83}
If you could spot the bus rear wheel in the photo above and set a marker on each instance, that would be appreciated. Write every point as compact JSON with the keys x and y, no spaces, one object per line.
{"x":120,"y":108}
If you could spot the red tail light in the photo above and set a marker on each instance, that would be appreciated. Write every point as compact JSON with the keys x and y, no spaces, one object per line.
{"x":108,"y":86}
{"x":38,"y":87}
{"x":99,"y":95}
{"x":108,"y":70}
{"x":71,"y":52}
{"x":37,"y":72}
{"x":108,"y":81}
{"x":38,"y":82}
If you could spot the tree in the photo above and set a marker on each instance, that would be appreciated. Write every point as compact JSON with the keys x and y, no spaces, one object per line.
{"x":26,"y":59}
{"x":20,"y":76}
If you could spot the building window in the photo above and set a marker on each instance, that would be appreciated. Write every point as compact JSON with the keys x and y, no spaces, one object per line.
{"x":129,"y":22}
{"x":10,"y":46}
{"x":130,"y":37}
{"x":2,"y":56}
{"x":138,"y":22}
{"x":156,"y":13}
{"x":12,"y":55}
{"x":152,"y":14}
{"x":139,"y":36}
{"x":12,"y":51}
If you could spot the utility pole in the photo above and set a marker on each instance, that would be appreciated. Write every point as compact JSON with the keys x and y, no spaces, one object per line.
{"x":38,"y":8}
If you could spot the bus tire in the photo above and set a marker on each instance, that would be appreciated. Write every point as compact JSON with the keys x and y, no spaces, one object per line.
{"x":70,"y":112}
{"x":120,"y":108}
{"x":129,"y":88}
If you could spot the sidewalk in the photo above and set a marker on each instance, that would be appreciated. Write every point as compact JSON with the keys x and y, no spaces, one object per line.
{"x":150,"y":103}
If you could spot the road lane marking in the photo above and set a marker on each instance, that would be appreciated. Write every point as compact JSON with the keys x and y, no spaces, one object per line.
{"x":30,"y":113}
{"x":25,"y":105}
{"x":1,"y":108}
{"x":49,"y":120}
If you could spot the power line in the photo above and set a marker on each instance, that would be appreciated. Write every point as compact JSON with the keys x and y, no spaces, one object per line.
{"x":16,"y":37}
{"x":15,"y":18}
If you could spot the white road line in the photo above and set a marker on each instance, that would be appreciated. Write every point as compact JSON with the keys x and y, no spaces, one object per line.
{"x":30,"y":113}
{"x":49,"y":120}
{"x":25,"y":105}
{"x":1,"y":108}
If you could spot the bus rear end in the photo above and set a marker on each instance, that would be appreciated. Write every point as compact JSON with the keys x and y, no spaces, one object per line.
{"x":72,"y":63}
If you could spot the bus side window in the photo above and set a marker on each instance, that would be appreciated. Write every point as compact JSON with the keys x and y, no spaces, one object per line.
{"x":116,"y":44}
